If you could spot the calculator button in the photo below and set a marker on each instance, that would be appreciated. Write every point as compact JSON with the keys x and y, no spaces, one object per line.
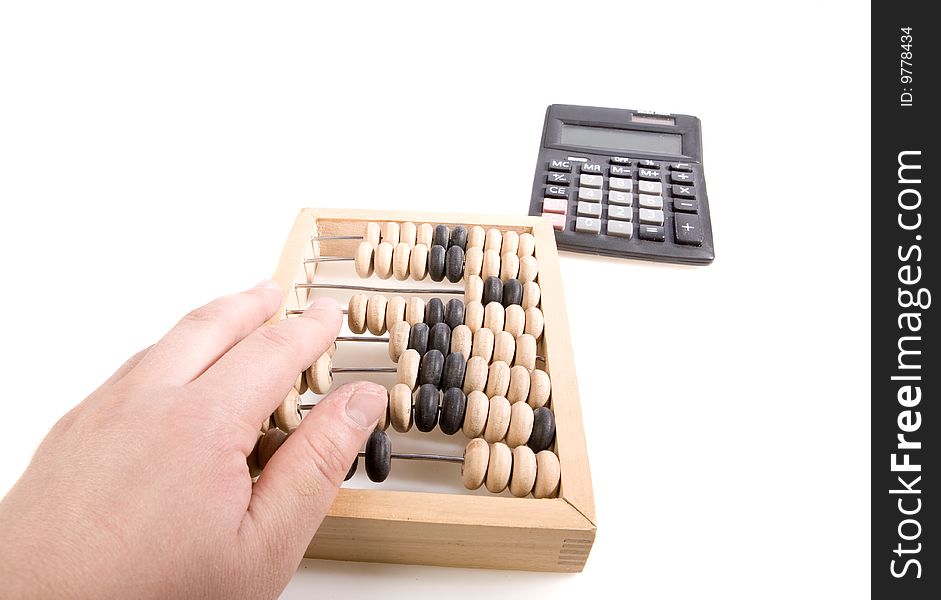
{"x":589,"y":195}
{"x":652,"y":217}
{"x":559,"y":178}
{"x":555,"y":205}
{"x":681,"y":178}
{"x":620,"y":213}
{"x":651,"y":232}
{"x":558,"y":221}
{"x":648,"y":164}
{"x":688,"y":230}
{"x":588,"y":225}
{"x":622,"y":185}
{"x":592,"y":181}
{"x":620,"y":160}
{"x":654,"y":188}
{"x":560,"y":165}
{"x":648,"y":174}
{"x":623,"y":229}
{"x":619,"y":171}
{"x":685,"y":167}
{"x":690,"y":205}
{"x":589,"y":209}
{"x":684,"y":191}
{"x":622,"y":198}
{"x":557,"y":191}
{"x":592,"y":168}
{"x":648,"y":201}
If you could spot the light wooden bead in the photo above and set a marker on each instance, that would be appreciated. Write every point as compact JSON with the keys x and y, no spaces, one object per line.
{"x":521,"y":424}
{"x":525,"y":352}
{"x":300,"y":384}
{"x":408,"y":233}
{"x":475,"y":415}
{"x":418,"y":262}
{"x":288,"y":414}
{"x":395,"y":311}
{"x":494,"y":316}
{"x":504,"y":347}
{"x":383,"y":260}
{"x":527,"y":245}
{"x":319,"y":375}
{"x":390,"y":233}
{"x":332,"y":349}
{"x":400,"y":407}
{"x":535,"y":321}
{"x":356,"y":313}
{"x":483,"y":344}
{"x":407,"y":371}
{"x":511,"y":242}
{"x":401,"y":255}
{"x":529,"y":268}
{"x":519,"y":385}
{"x":498,"y":379}
{"x":494,"y":240}
{"x":265,"y":425}
{"x":539,"y":388}
{"x":462,"y":340}
{"x":373,"y":234}
{"x":548,"y":474}
{"x":514,"y":320}
{"x":475,"y":375}
{"x":426,"y":233}
{"x":499,"y":467}
{"x":491,"y":264}
{"x":311,"y":372}
{"x":474,"y":315}
{"x":473,"y":289}
{"x":524,"y":471}
{"x":531,"y":295}
{"x":509,"y":266}
{"x":498,"y":419}
{"x":476,"y":459}
{"x":415,"y":311}
{"x":376,"y":314}
{"x":473,"y":261}
{"x":398,"y":340}
{"x":363,"y":259}
{"x":383,"y":423}
{"x":476,"y":237}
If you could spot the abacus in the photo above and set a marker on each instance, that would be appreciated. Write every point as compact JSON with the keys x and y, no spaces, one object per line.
{"x":463,"y":319}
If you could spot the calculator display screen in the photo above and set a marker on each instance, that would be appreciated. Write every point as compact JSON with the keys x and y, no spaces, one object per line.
{"x":621,"y":139}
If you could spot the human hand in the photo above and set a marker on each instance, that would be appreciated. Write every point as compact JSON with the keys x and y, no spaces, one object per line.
{"x":143,"y":489}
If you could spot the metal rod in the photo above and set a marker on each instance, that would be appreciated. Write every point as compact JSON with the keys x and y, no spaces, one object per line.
{"x":300,"y":311}
{"x":412,"y":456}
{"x":321,"y":259}
{"x":368,"y":288}
{"x":363,"y":370}
{"x":363,"y":338}
{"x":317,"y":238}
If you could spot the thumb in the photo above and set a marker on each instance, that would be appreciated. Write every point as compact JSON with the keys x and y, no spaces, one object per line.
{"x":300,"y":481}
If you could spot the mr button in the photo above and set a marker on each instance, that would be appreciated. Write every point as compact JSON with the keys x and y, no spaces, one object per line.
{"x":688,"y":229}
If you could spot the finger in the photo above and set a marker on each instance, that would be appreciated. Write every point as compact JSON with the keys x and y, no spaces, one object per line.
{"x":126,"y":368}
{"x":208,"y":332}
{"x":255,"y":376}
{"x":301,"y":480}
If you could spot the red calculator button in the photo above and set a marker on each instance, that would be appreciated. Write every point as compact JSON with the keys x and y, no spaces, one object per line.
{"x":555,"y":205}
{"x":558,"y":221}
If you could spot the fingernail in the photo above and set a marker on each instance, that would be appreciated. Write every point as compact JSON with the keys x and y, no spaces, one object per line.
{"x":324,"y":304}
{"x":365,"y":407}
{"x":268,"y":284}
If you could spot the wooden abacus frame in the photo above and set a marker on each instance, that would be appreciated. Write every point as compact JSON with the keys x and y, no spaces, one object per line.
{"x":452,"y":529}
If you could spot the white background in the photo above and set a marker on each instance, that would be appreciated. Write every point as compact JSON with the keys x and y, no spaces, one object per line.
{"x":154,"y":157}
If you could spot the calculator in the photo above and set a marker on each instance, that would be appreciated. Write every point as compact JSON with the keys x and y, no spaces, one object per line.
{"x":624,"y":183}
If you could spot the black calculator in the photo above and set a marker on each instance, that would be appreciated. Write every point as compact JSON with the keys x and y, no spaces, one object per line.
{"x":624,"y":183}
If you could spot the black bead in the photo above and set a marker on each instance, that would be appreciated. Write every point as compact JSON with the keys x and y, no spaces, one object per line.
{"x":436,"y":260}
{"x":543,"y":430}
{"x":429,"y":371}
{"x":493,"y":290}
{"x":454,"y":313}
{"x":352,"y":471}
{"x":418,"y":338}
{"x":426,"y":408}
{"x":453,"y":373}
{"x":440,"y":338}
{"x":453,"y":407}
{"x":459,"y":237}
{"x":454,"y":264}
{"x":378,"y":456}
{"x":434,"y":312}
{"x":441,"y":236}
{"x":512,"y":292}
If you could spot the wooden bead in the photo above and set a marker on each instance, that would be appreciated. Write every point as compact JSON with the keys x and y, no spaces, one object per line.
{"x":498,"y":379}
{"x":373,"y":233}
{"x":539,"y":388}
{"x":511,"y":242}
{"x":418,"y":338}
{"x":458,"y":237}
{"x":474,"y":315}
{"x":252,"y":459}
{"x":434,"y":312}
{"x":498,"y":419}
{"x":543,"y":431}
{"x":383,"y":260}
{"x":535,"y":321}
{"x":288,"y":414}
{"x":319,"y":375}
{"x":519,"y":385}
{"x":531,"y":295}
{"x":512,"y":293}
{"x":499,"y":467}
{"x":476,"y":459}
{"x":395,"y":311}
{"x":425,"y":234}
{"x":476,"y":237}
{"x":300,"y":384}
{"x":453,"y":374}
{"x":431,"y":368}
{"x":548,"y":475}
{"x":527,"y":245}
{"x":271,"y":441}
{"x":398,"y":340}
{"x":407,"y":371}
{"x":378,"y":456}
{"x":475,"y":375}
{"x":454,"y":264}
{"x":494,"y":316}
{"x":439,"y":338}
{"x":363,"y":259}
{"x":473,"y":261}
{"x":494,"y":241}
{"x":415,"y":310}
{"x":441,"y":236}
{"x":352,"y":471}
{"x":514,"y":320}
{"x":454,"y":313}
{"x":356,"y":313}
{"x":376,"y":314}
{"x":521,"y":424}
{"x":473,"y":289}
{"x":383,"y":423}
{"x":483,"y":344}
{"x":401,"y":255}
{"x":524,"y":472}
{"x":509,"y":266}
{"x":528,"y":269}
{"x":475,"y":415}
{"x":426,"y":407}
{"x":453,"y":406}
{"x":390,"y":232}
{"x":462,"y":340}
{"x":525,"y":352}
{"x":491,"y":264}
{"x":400,"y":407}
{"x":437,"y":256}
{"x":418,"y":262}
{"x":504,"y":347}
{"x":493,"y":291}
{"x":408,"y":233}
